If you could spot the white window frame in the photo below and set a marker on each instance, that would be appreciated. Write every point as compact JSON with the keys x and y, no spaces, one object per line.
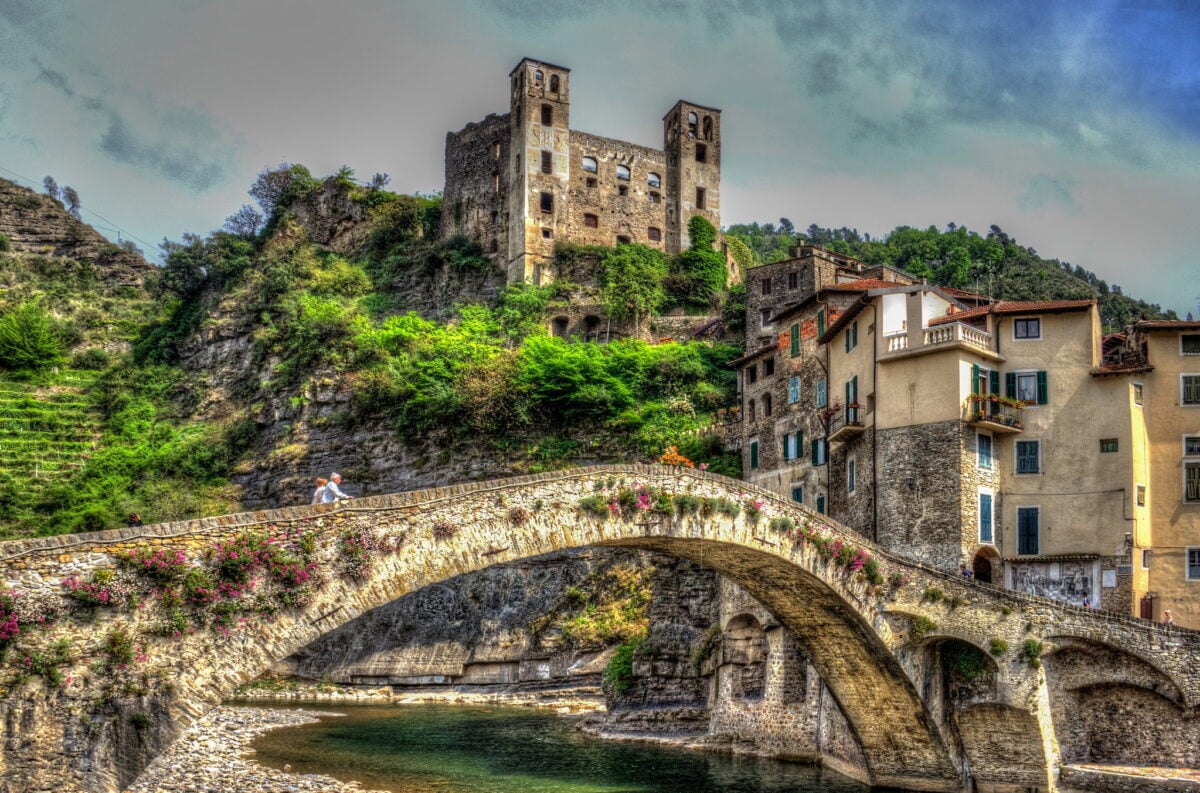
{"x":851,"y":475}
{"x":1147,"y":558}
{"x":1031,"y":403}
{"x":1017,"y":457}
{"x":1015,"y":337}
{"x":1187,"y":552}
{"x":789,"y":446}
{"x":1181,"y":352}
{"x":991,"y":461}
{"x":1184,"y":439}
{"x":1187,"y":463}
{"x":765,"y":317}
{"x":1139,"y":495}
{"x":1139,"y":393}
{"x":1017,"y":528}
{"x":1181,"y":402}
{"x":985,"y":491}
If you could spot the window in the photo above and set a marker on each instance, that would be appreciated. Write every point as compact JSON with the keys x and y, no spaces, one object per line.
{"x":1193,"y":564}
{"x":794,"y":338}
{"x":985,"y":517}
{"x":495,"y":183}
{"x":817,"y":453}
{"x":821,"y":503}
{"x":589,"y":164}
{"x":623,"y":172}
{"x":655,"y":197}
{"x":554,"y":83}
{"x":547,"y":162}
{"x":701,"y":152}
{"x":1139,"y":395}
{"x":495,"y":217}
{"x":591,"y":182}
{"x":793,"y":389}
{"x":591,"y":221}
{"x":494,"y":246}
{"x":793,"y":280}
{"x":984,"y":381}
{"x":852,"y":336}
{"x":622,"y":189}
{"x":789,"y":446}
{"x":496,"y":150}
{"x":1108,"y":445}
{"x":765,"y":314}
{"x":751,"y":413}
{"x":700,"y":198}
{"x":623,"y":239}
{"x":1189,"y":389}
{"x":1027,"y":530}
{"x":766,"y":400}
{"x":754,"y":454}
{"x":1146,"y":556}
{"x":821,"y":322}
{"x":1189,"y":344}
{"x":798,"y":494}
{"x":537,"y":77}
{"x":1029,"y":387}
{"x":821,"y":398}
{"x":1191,"y":445}
{"x":766,"y":286}
{"x":851,"y":478}
{"x":752,"y":373}
{"x":1141,"y":495}
{"x":769,"y":366}
{"x":983,"y":451}
{"x":708,"y":126}
{"x":1191,"y":482}
{"x":1027,"y":328}
{"x":799,"y":436}
{"x":547,"y":234}
{"x":654,"y":180}
{"x":692,"y":124}
{"x":1029,"y":457}
{"x":547,"y":202}
{"x":654,"y":234}
{"x":547,"y":115}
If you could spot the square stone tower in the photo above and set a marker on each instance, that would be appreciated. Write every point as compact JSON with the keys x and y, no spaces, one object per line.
{"x":692,"y":141}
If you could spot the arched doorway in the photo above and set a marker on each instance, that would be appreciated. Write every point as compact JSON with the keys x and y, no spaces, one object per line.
{"x":982,"y":568}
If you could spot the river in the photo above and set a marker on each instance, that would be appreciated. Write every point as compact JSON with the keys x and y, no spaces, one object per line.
{"x":457,"y":748}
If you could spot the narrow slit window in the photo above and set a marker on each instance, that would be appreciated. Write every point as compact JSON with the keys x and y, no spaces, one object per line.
{"x":700,"y":196}
{"x":701,"y":152}
{"x":547,"y":202}
{"x":547,"y":162}
{"x":547,"y":115}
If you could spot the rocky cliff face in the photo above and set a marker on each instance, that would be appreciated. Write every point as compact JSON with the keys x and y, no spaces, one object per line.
{"x":38,"y":224}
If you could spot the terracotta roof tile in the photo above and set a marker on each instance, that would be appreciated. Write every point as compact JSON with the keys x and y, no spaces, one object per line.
{"x":863,"y":284}
{"x":1015,"y":307}
{"x":1167,"y":324}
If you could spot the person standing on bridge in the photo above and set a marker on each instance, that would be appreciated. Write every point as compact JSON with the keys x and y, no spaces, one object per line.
{"x":332,"y":490}
{"x":1167,"y":618}
{"x":319,"y":493}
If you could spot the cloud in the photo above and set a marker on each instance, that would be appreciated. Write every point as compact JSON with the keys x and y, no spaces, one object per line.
{"x":1043,"y":190}
{"x":55,"y":79}
{"x":183,"y":165}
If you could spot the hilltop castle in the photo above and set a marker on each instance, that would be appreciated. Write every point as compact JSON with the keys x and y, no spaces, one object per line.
{"x":522,"y":181}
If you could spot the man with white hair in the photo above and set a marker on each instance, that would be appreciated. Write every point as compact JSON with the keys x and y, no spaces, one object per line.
{"x":333,"y":491}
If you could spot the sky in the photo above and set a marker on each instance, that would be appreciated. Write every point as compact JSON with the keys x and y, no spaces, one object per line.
{"x":1073,"y":125}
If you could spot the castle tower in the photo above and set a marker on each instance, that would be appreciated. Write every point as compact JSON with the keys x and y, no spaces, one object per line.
{"x":539,"y":167}
{"x":692,"y":141}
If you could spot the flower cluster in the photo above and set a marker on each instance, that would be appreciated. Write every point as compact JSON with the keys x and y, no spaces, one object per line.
{"x":755,"y":509}
{"x":10,"y":623}
{"x":357,"y":547}
{"x":444,"y":529}
{"x":851,"y":558}
{"x":160,"y":565}
{"x":672,"y":457}
{"x":92,"y":593}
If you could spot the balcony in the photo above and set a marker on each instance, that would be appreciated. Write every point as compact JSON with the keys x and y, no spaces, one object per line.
{"x":939,"y":337}
{"x":845,"y":424}
{"x":994,"y":412}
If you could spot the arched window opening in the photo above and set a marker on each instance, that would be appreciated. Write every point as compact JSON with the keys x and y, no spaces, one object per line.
{"x":745,"y":651}
{"x":751,"y":411}
{"x":494,"y":247}
{"x":654,"y":234}
{"x":654,"y":180}
{"x":701,"y":196}
{"x":623,"y":172}
{"x":589,"y":164}
{"x":691,"y":125}
{"x":547,"y":162}
{"x":623,"y":239}
{"x":554,"y":83}
{"x":708,"y":127}
{"x":766,"y":404}
{"x":591,"y":221}
{"x":495,"y":217}
{"x":558,"y":326}
{"x":591,"y":328}
{"x":537,"y":77}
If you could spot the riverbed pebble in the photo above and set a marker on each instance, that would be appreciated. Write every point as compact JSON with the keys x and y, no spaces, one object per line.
{"x":211,"y":757}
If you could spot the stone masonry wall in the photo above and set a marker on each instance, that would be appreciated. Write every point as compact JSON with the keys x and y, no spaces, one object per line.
{"x":598,"y":194}
{"x":477,"y":183}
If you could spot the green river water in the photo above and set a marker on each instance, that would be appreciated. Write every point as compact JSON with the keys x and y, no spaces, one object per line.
{"x":456,"y":748}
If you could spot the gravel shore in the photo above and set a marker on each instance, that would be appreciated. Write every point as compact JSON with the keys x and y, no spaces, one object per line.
{"x":212,"y":757}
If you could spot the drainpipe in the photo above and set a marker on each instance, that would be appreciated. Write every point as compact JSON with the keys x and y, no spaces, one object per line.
{"x":875,"y":427}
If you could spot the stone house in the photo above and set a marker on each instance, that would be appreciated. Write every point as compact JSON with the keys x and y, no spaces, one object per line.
{"x":1008,"y":437}
{"x":523,"y":181}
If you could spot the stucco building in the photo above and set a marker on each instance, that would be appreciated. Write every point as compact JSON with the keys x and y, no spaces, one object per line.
{"x":522,"y":181}
{"x":1012,"y":437}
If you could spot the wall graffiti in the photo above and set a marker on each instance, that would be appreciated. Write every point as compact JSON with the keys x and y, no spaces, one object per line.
{"x":1068,"y":581}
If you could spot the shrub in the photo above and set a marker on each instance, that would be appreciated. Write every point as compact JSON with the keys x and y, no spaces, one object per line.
{"x":754,"y":509}
{"x":357,"y":548}
{"x":618,"y":675}
{"x":921,"y":626}
{"x":1031,"y":651}
{"x":93,"y":358}
{"x":964,"y":660}
{"x":92,"y":593}
{"x":10,"y":623}
{"x":934,"y":595}
{"x":687,"y":504}
{"x":997,"y":647}
{"x":444,"y":529}
{"x":5,"y":245}
{"x":782,"y":523}
{"x":158,"y":565}
{"x":596,"y":506}
{"x":955,"y":601}
{"x":140,"y":720}
{"x":518,"y":516}
{"x":118,"y":650}
{"x":30,"y":339}
{"x":1006,"y":610}
{"x":48,"y":663}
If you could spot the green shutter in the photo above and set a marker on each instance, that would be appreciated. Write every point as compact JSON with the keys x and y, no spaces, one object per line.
{"x":994,"y":381}
{"x":854,"y":390}
{"x":799,"y":443}
{"x":815,"y":448}
{"x":848,"y":398}
{"x":974,"y":378}
{"x":754,"y":454}
{"x":795,"y":338}
{"x":1043,"y":390}
{"x":821,"y":322}
{"x":854,"y":328}
{"x":847,"y":340}
{"x":1010,"y":385}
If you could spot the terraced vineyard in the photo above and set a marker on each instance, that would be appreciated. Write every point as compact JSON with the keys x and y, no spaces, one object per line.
{"x":47,"y":432}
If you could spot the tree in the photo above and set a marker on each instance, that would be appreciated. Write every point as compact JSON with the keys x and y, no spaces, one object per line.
{"x":245,"y":223}
{"x":72,"y":199}
{"x":30,"y":339}
{"x":379,"y":181}
{"x":700,"y":273}
{"x":51,"y":188}
{"x":631,"y":281}
{"x":786,"y":226}
{"x":276,"y":188}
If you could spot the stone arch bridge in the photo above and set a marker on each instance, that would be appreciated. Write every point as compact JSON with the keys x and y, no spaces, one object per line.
{"x":866,"y":640}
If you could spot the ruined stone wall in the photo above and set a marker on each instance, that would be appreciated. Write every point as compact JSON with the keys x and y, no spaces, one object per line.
{"x":477,"y":184}
{"x":637,"y":215}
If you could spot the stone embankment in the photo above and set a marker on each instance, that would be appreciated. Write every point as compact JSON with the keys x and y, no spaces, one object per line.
{"x":572,"y":699}
{"x":211,"y":757}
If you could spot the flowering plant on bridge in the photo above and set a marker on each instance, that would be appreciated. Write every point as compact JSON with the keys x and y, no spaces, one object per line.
{"x":672,"y":457}
{"x":158,"y":564}
{"x":99,"y":591}
{"x":10,"y":625}
{"x":358,"y":547}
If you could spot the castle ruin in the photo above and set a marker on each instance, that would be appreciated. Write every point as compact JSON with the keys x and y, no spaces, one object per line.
{"x":520,"y":182}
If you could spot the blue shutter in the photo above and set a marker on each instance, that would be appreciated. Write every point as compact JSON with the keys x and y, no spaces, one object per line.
{"x":793,"y":389}
{"x":821,"y":504}
{"x":1027,"y":531}
{"x":821,"y":322}
{"x":798,"y":494}
{"x":985,"y":517}
{"x":821,"y":400}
